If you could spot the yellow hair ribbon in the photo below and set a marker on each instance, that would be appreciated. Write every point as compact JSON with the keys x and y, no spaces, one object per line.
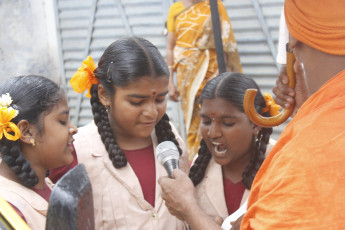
{"x":271,"y":106}
{"x":84,"y":77}
{"x":6,"y":126}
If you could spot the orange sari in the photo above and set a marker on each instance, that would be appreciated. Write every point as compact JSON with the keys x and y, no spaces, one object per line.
{"x":195,"y":59}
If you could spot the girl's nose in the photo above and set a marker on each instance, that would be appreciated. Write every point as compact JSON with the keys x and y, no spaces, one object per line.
{"x":73,"y":130}
{"x":151,"y":110}
{"x":214,"y":130}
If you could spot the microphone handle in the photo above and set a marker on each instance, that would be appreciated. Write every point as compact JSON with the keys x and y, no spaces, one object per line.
{"x":170,"y":165}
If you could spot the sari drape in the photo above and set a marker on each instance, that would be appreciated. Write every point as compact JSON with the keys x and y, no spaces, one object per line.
{"x":195,"y":60}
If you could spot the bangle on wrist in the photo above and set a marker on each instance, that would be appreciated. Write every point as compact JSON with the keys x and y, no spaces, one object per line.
{"x":170,"y":66}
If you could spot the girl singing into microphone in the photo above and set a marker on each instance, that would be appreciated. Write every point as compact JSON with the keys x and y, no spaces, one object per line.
{"x":231,"y":151}
{"x":232,"y":148}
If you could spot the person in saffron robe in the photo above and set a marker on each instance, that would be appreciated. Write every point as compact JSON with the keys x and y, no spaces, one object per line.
{"x":191,"y":54}
{"x":300,"y":184}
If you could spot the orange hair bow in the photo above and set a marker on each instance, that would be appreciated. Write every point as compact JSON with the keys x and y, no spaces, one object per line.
{"x":271,"y":105}
{"x":84,"y":77}
{"x":7,"y":113}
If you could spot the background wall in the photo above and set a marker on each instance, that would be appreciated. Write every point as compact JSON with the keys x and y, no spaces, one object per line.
{"x":53,"y":37}
{"x":28,"y":41}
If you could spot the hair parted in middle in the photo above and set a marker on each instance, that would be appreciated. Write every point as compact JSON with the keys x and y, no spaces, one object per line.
{"x":232,"y":87}
{"x":123,"y":62}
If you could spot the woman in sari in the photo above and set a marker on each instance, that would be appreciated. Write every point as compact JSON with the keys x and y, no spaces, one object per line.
{"x":191,"y":54}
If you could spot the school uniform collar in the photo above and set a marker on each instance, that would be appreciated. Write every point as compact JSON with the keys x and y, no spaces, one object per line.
{"x":35,"y":200}
{"x":126,"y":175}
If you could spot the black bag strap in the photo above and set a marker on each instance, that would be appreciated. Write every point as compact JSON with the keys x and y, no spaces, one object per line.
{"x":217,"y":36}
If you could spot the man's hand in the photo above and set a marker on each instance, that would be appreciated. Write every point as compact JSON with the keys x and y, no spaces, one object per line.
{"x":286,"y":96}
{"x":236,"y":225}
{"x":178,"y":193}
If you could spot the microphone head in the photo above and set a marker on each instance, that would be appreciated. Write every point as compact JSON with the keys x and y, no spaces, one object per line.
{"x":167,"y":150}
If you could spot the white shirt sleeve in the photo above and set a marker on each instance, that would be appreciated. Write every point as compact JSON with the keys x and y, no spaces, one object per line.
{"x":282,"y":40}
{"x":239,"y":212}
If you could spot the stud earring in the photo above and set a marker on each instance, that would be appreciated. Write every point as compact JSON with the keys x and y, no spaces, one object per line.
{"x":32,"y":141}
{"x":107,"y":108}
{"x":256,"y":135}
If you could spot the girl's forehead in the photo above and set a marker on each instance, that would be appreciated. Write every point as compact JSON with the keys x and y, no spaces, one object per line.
{"x":147,"y":85}
{"x":148,"y":82}
{"x":213,"y":102}
{"x":217,"y":106}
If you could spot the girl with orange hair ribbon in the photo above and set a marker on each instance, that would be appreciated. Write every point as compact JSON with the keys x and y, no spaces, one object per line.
{"x":127,"y":91}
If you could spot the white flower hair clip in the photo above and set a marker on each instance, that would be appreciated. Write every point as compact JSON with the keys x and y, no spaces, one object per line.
{"x":5,"y":100}
{"x":7,"y":128}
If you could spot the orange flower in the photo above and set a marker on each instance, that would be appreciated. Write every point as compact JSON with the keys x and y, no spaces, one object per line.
{"x":84,"y":77}
{"x":6,"y":126}
{"x":271,"y":105}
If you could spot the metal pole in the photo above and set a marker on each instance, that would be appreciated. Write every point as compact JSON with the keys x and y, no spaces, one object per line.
{"x":217,"y":36}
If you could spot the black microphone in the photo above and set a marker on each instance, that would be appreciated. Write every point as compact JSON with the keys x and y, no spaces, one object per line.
{"x":168,"y":155}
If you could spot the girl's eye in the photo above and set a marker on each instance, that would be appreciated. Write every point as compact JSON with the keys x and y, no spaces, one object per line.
{"x":206,"y":121}
{"x":229,"y":124}
{"x":136,"y":103}
{"x":63,"y":122}
{"x":160,"y":100}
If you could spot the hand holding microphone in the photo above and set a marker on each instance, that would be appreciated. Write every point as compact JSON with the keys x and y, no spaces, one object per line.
{"x":168,"y":155}
{"x":178,"y":193}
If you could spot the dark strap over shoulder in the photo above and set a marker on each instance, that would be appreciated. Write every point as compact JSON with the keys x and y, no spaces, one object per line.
{"x":217,"y":36}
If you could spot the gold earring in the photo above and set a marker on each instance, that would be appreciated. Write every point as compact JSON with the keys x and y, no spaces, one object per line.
{"x":32,"y":142}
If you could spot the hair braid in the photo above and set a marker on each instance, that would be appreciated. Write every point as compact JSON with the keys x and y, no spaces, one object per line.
{"x":13,"y":157}
{"x":197,"y":171}
{"x":164,"y":132}
{"x":101,"y":119}
{"x":257,"y":157}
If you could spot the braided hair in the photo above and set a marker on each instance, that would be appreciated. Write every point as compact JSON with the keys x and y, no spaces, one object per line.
{"x":122,"y":63}
{"x":232,"y":87}
{"x":33,"y":96}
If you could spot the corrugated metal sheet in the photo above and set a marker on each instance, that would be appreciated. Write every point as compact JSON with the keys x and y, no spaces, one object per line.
{"x":87,"y":27}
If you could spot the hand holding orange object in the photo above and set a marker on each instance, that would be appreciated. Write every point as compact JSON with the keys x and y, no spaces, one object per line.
{"x":249,"y":97}
{"x":286,"y":96}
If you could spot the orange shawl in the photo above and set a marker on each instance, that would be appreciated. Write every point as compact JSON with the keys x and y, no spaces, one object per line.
{"x":301,"y":184}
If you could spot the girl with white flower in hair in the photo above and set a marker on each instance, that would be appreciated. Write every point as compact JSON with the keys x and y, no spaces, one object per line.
{"x":35,"y":135}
